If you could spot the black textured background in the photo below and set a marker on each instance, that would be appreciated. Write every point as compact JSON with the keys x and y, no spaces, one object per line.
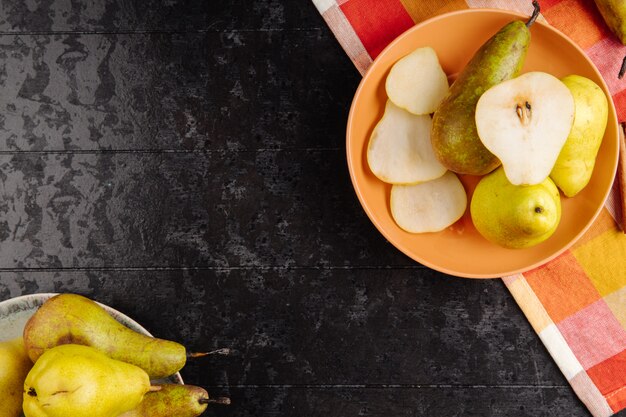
{"x":183,"y":161}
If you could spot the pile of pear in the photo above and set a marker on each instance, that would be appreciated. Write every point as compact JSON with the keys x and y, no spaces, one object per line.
{"x":526,"y":135}
{"x":76,"y":360}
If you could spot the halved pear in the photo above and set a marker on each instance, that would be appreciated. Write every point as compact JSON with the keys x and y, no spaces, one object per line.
{"x":429,"y":206}
{"x":525,"y":123}
{"x":400,"y":150}
{"x":417,"y":82}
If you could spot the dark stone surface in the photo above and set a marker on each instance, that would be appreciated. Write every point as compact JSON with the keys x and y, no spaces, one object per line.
{"x":183,"y":161}
{"x":228,"y":208}
{"x":103,"y":15}
{"x":173,"y":91}
{"x":323,"y":326}
{"x":402,"y":402}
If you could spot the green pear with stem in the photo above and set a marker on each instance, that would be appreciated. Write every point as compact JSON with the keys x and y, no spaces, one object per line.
{"x":175,"y":400}
{"x":454,"y":134}
{"x":14,"y":366}
{"x":80,"y":381}
{"x":72,"y":318}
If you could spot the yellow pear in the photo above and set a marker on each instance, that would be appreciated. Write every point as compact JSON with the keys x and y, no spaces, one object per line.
{"x":574,"y":166}
{"x":515,"y":216}
{"x":79,"y":381}
{"x":14,"y":366}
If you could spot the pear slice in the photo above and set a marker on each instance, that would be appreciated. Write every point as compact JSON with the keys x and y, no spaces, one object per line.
{"x":429,"y":206}
{"x":417,"y":82}
{"x":400,"y":150}
{"x":525,"y":123}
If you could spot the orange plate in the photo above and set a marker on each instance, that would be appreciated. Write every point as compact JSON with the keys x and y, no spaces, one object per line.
{"x":460,"y":250}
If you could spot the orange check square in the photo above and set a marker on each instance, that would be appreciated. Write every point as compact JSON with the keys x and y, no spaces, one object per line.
{"x":578,"y":19}
{"x":562,"y":286}
{"x":422,"y":10}
{"x":547,"y":4}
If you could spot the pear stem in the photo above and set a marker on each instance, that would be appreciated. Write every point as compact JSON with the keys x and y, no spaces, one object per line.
{"x":622,"y":69}
{"x":535,"y":14}
{"x":222,"y":351}
{"x":218,"y":400}
{"x":155,"y":388}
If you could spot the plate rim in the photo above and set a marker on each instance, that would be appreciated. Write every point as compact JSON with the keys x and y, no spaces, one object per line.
{"x":359,"y":192}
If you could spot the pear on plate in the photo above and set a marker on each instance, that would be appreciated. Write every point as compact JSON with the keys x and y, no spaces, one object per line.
{"x":79,"y":381}
{"x":574,"y":166}
{"x":429,"y":206}
{"x":417,"y":83}
{"x":175,"y":400}
{"x":515,"y":216}
{"x":14,"y":366}
{"x":525,"y":123}
{"x":454,"y":136}
{"x":74,"y":319}
{"x":400,"y":151}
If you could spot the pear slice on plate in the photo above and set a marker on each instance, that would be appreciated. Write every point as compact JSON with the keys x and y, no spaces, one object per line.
{"x":525,"y":123}
{"x":417,"y":82}
{"x":400,"y":150}
{"x":430,"y":206}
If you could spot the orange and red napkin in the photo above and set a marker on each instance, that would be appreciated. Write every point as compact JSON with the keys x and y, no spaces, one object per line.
{"x":577,"y":302}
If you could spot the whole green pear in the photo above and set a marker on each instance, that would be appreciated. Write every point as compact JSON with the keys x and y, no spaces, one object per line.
{"x":172,"y":400}
{"x":72,"y":318}
{"x":14,"y":366}
{"x":454,"y":136}
{"x":614,"y":14}
{"x":79,"y":381}
{"x":515,"y":216}
{"x":574,"y":166}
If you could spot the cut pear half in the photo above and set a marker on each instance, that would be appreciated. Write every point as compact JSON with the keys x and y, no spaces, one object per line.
{"x":400,"y":150}
{"x":525,"y":123}
{"x":417,"y":83}
{"x":430,"y":206}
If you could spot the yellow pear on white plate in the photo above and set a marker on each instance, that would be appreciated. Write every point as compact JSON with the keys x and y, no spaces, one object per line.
{"x":400,"y":150}
{"x":525,"y":122}
{"x":417,"y":83}
{"x":430,"y":206}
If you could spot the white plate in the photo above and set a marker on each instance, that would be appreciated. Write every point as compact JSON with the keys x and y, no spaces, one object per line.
{"x":15,"y":312}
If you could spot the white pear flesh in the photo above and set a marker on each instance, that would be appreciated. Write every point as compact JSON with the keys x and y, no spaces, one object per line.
{"x":417,"y":83}
{"x":525,"y":122}
{"x":400,"y":150}
{"x":430,"y":206}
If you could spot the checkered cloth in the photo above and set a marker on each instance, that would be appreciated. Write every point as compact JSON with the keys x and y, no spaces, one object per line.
{"x":577,"y":302}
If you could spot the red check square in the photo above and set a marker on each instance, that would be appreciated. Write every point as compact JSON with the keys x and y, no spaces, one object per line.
{"x":610,"y":378}
{"x":594,"y":334}
{"x":376,"y":22}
